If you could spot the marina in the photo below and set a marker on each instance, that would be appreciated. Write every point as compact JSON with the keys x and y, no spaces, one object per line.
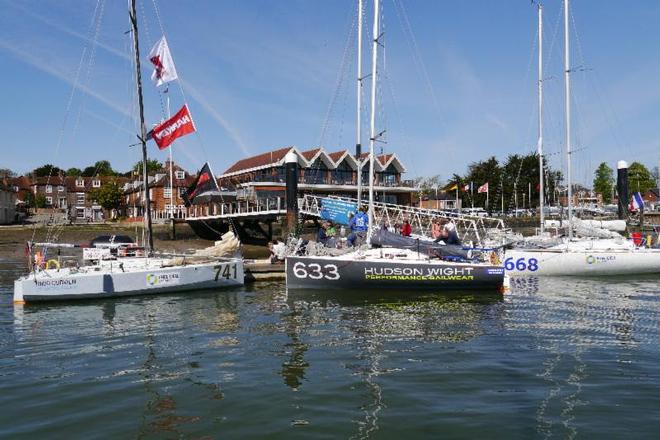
{"x":385,"y":220}
{"x":552,"y":357}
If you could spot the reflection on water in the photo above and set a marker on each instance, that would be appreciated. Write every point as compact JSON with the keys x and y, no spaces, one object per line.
{"x":552,"y":358}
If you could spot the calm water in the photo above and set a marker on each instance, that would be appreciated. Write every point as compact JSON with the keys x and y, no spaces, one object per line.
{"x":551,"y":359}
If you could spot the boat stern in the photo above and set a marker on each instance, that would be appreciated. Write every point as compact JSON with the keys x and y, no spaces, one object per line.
{"x":18,"y":291}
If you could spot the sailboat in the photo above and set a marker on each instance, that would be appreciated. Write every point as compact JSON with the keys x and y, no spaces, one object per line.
{"x":110,"y":274}
{"x":372,"y":268}
{"x":576,"y":256}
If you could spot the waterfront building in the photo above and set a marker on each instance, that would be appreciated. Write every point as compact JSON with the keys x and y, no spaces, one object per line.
{"x":320,"y":173}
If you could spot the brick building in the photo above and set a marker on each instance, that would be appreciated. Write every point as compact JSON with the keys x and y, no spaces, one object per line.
{"x":159,"y":193}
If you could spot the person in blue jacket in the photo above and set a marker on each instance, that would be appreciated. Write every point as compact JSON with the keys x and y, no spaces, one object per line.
{"x":359,"y":224}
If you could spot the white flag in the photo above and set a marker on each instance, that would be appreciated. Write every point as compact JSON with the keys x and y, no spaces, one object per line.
{"x":161,"y":58}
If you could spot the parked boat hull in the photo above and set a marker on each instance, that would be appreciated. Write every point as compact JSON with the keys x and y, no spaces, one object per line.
{"x":314,"y":272}
{"x":581,"y":262}
{"x":65,"y":284}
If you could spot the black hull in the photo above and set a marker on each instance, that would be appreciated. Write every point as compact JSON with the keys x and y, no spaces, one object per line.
{"x":209,"y":229}
{"x":333,"y":273}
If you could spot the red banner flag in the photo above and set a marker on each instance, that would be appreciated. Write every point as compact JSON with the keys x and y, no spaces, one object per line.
{"x":483,"y":188}
{"x":178,"y":125}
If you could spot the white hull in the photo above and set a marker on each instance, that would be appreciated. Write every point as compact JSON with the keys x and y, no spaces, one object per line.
{"x":589,"y":258}
{"x":138,"y":277}
{"x":610,"y":225}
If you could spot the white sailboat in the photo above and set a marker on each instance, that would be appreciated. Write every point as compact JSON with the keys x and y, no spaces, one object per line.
{"x":573,"y":256}
{"x":389,"y":267}
{"x":113,"y":275}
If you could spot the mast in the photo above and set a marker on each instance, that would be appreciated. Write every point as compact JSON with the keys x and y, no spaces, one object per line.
{"x":143,"y":132}
{"x":358,"y":143}
{"x":540,"y":141}
{"x":372,"y":128}
{"x":567,"y":80}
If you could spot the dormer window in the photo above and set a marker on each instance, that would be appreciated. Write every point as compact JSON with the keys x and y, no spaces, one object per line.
{"x":60,"y":188}
{"x":180,"y":174}
{"x":96,"y":183}
{"x":80,"y":183}
{"x":49,"y":188}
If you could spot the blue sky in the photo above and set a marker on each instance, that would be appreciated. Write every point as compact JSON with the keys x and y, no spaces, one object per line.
{"x":457,"y":83}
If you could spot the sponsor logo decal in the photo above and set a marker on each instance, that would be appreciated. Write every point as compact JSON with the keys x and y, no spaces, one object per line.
{"x":495,"y":271}
{"x":162,"y":279}
{"x":591,"y":259}
{"x":56,"y":284}
{"x":418,"y":274}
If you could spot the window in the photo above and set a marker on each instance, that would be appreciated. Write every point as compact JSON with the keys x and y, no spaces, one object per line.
{"x":180,"y":174}
{"x":49,"y":201}
{"x":167,"y":192}
{"x":60,"y":188}
{"x":49,"y":189}
{"x":80,"y":183}
{"x":15,"y":189}
{"x":151,"y":193}
{"x":80,"y":198}
{"x":182,"y":191}
{"x":96,"y":183}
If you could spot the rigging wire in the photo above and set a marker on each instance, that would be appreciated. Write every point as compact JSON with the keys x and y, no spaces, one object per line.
{"x":67,"y":111}
{"x":341,"y":76}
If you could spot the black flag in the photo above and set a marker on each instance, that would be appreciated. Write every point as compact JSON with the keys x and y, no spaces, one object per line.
{"x":205,"y":184}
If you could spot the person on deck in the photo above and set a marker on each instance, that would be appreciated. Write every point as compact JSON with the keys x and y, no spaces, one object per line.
{"x":436,"y":229}
{"x":323,"y":234}
{"x":277,"y":251}
{"x":406,"y":229}
{"x":448,"y":233}
{"x":359,"y":224}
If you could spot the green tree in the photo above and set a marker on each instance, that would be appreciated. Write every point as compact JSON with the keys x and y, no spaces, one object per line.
{"x":74,"y":172}
{"x":152,"y":166}
{"x":482,"y":172}
{"x":108,"y":195}
{"x":6,"y":172}
{"x":39,"y":201}
{"x":47,"y":170}
{"x":100,"y":168}
{"x":639,"y":178}
{"x":603,"y":181}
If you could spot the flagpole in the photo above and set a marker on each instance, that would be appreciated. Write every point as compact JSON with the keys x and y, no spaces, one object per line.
{"x":169,"y":115}
{"x":502,"y":188}
{"x":457,"y":207}
{"x":487,"y":193}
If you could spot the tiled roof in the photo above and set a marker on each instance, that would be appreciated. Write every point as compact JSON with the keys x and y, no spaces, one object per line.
{"x":383,"y":158}
{"x":260,"y":160}
{"x":309,"y":154}
{"x":337,"y":155}
{"x":306,"y":157}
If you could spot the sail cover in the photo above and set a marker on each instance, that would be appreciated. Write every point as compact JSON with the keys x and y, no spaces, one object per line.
{"x":204,"y":189}
{"x":382,"y":237}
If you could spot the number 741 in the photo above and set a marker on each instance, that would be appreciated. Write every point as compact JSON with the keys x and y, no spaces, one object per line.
{"x":228,"y":271}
